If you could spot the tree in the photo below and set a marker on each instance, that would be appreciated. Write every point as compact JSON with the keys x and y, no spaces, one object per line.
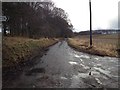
{"x":36,"y":19}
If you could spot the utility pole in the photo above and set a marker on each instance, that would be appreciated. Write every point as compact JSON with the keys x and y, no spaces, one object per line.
{"x":90,"y":23}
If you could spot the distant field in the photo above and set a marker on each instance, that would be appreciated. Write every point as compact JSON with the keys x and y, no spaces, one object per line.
{"x":105,"y":45}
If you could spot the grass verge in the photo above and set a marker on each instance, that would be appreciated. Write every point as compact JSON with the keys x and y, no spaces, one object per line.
{"x":16,"y":49}
{"x":103,"y":45}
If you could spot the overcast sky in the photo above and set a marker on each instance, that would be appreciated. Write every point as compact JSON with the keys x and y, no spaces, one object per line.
{"x":104,"y":13}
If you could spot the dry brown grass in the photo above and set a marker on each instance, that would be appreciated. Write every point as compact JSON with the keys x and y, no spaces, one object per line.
{"x":17,"y":49}
{"x":104,"y":45}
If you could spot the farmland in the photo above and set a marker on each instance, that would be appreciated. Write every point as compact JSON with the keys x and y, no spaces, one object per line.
{"x":103,"y":45}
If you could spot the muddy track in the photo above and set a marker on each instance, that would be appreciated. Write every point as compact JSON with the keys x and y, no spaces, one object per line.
{"x":63,"y":67}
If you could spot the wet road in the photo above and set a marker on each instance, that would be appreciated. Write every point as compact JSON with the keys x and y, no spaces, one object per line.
{"x":64,"y":67}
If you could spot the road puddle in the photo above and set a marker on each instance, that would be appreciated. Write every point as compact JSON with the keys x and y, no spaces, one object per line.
{"x":81,"y":60}
{"x":85,"y":67}
{"x":98,"y":81}
{"x":81,"y":56}
{"x":107,"y":73}
{"x":73,"y":63}
{"x":95,"y":73}
{"x":77,"y":80}
{"x":96,"y":58}
{"x":35,"y":70}
{"x":84,"y":56}
{"x":83,"y":75}
{"x":64,"y":78}
{"x":77,"y":56}
{"x":98,"y":65}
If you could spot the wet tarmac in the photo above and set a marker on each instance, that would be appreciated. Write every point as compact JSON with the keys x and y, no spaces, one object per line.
{"x":63,"y":67}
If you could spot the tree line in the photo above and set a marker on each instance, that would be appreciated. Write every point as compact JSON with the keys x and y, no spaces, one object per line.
{"x":35,"y":19}
{"x":99,"y":31}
